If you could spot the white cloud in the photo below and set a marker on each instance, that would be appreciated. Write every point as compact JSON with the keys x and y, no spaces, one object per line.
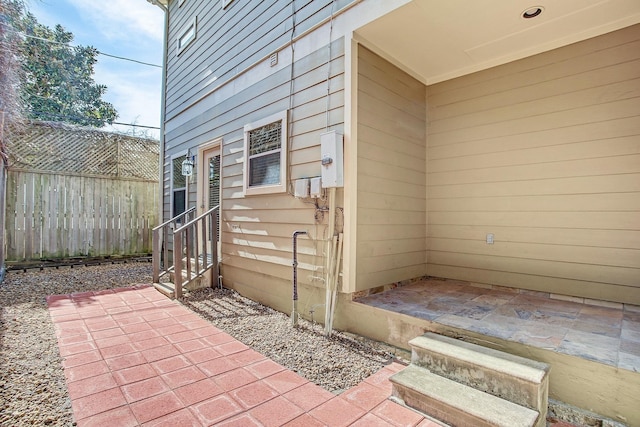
{"x":42,"y":13}
{"x":116,"y":18}
{"x":135,"y":96}
{"x":134,"y":90}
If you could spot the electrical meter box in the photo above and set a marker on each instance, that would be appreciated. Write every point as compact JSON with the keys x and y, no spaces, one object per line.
{"x":331,"y":152}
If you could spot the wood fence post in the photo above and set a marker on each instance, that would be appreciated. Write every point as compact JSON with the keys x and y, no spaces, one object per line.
{"x":3,"y":196}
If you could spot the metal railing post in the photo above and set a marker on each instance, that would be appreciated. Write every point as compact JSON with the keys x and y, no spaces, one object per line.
{"x":203,"y":236}
{"x":156,"y":250}
{"x":214,"y":247}
{"x":161,"y":244}
{"x":177,"y":262}
{"x":187,"y":252}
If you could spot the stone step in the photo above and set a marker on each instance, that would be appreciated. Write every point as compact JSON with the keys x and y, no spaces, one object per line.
{"x":166,"y":288}
{"x":513,"y":378}
{"x":457,"y":404}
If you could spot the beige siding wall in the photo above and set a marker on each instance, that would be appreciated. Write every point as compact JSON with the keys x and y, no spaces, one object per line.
{"x":391,"y":218}
{"x":545,"y":154}
{"x":257,"y":230}
{"x":218,"y":81}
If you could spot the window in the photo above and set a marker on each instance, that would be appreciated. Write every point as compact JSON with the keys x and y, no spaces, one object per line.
{"x":265,"y":155}
{"x":187,"y":35}
{"x":178,"y":187}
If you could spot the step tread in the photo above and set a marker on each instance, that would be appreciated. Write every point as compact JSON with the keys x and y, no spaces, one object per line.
{"x":165,"y":288}
{"x":516,"y":366}
{"x":461,"y":398}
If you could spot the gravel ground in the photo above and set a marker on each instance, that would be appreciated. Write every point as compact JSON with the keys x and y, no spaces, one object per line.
{"x":32,"y":382}
{"x":336,"y":363}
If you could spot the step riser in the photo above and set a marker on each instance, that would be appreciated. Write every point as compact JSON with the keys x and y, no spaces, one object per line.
{"x":488,"y":370}
{"x":165,"y":289}
{"x":499,"y":384}
{"x":440,"y":411}
{"x":198,"y":283}
{"x":457,"y":404}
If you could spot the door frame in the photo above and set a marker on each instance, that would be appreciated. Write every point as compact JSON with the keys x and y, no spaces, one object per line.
{"x":202,"y":179}
{"x":202,"y":182}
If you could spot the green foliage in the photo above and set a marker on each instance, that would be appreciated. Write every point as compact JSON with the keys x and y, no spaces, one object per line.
{"x":10,"y":106}
{"x":57,"y":79}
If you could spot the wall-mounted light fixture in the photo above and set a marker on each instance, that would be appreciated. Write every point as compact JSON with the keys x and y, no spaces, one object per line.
{"x":187,"y":165}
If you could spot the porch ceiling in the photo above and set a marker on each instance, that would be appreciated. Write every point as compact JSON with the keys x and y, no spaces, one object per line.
{"x":436,"y":40}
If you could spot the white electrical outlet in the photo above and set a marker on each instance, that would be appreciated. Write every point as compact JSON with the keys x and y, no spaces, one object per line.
{"x":315,"y":187}
{"x":490,"y":239}
{"x":301,"y":188}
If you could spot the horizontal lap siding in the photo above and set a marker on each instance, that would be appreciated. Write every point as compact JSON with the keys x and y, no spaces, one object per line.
{"x":391,"y":220}
{"x":230,"y":40}
{"x":259,"y":228}
{"x":545,"y":154}
{"x":256,"y":230}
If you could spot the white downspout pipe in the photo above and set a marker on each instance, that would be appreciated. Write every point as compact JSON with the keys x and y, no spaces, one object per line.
{"x":294,"y":312}
{"x":329,"y":261}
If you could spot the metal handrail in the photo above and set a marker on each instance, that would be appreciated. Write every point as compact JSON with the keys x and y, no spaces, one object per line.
{"x":175,"y":219}
{"x":186,"y":242}
{"x":161,"y":262}
{"x":198,"y":218}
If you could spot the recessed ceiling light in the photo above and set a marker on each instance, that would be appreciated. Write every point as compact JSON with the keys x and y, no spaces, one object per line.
{"x":532,"y":12}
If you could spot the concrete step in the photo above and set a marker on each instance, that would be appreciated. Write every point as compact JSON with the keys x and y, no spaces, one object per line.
{"x":197,"y":282}
{"x":166,"y":288}
{"x":457,"y":404}
{"x":185,"y":277}
{"x":513,"y":378}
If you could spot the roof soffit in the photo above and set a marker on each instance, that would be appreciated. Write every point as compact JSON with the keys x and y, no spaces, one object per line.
{"x":436,"y":40}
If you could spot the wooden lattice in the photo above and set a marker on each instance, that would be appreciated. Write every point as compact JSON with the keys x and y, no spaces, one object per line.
{"x":55,"y":147}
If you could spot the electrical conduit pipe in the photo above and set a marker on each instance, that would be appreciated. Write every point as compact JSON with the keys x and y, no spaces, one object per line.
{"x":294,"y":313}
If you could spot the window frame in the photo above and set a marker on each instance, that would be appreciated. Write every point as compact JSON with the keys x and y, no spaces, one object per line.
{"x":173,"y":189}
{"x":281,"y":187}
{"x":180,"y":47}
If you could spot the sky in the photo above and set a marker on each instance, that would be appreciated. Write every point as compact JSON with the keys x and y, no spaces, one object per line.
{"x":127,"y":28}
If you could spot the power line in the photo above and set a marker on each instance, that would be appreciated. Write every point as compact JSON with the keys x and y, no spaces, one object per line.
{"x":67,"y":116}
{"x":136,"y":126}
{"x":69,"y":45}
{"x":59,"y":116}
{"x":129,"y":59}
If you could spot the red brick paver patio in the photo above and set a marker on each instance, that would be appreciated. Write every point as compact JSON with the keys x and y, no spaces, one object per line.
{"x":133,"y":357}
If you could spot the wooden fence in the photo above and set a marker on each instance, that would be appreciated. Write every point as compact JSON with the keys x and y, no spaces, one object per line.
{"x":55,"y":216}
{"x":74,"y":192}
